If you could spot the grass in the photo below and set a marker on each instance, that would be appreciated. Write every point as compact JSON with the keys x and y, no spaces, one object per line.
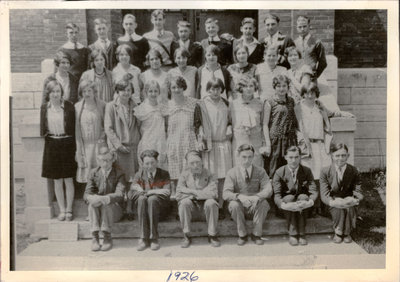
{"x":370,"y":233}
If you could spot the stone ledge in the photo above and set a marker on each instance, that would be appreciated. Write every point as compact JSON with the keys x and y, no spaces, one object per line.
{"x":343,"y":124}
{"x":172,"y":229}
{"x":362,"y":77}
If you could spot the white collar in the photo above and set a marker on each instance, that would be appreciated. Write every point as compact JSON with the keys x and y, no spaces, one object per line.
{"x":306,"y":37}
{"x":184,"y":43}
{"x":136,"y":37}
{"x":249,"y":170}
{"x":161,"y":32}
{"x":214,"y":38}
{"x":342,"y":170}
{"x":294,"y":171}
{"x":254,"y":42}
{"x":70,"y":45}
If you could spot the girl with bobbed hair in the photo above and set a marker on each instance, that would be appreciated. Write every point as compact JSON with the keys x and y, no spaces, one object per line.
{"x":189,"y":73}
{"x":280,"y":124}
{"x":241,"y":68}
{"x":57,"y":126}
{"x":155,"y":72}
{"x":152,"y":128}
{"x":184,"y":122}
{"x":248,"y":119}
{"x":69,"y":82}
{"x":100,"y":75}
{"x":124,"y":67}
{"x":89,"y":128}
{"x":300,"y":74}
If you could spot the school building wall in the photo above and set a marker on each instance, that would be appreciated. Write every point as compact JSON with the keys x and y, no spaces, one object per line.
{"x":36,"y":34}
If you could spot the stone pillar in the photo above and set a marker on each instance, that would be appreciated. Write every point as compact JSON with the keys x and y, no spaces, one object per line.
{"x":38,"y":192}
{"x":343,"y":131}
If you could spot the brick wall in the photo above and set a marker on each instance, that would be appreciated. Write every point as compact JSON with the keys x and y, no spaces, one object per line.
{"x":361,"y":38}
{"x":322,"y":24}
{"x":363,"y":93}
{"x":37,"y":34}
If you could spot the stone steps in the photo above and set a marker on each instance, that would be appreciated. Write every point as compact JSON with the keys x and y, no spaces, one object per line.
{"x":170,"y":228}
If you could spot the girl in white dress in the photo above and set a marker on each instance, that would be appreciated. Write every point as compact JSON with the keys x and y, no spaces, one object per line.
{"x":152,"y":124}
{"x":219,"y":159}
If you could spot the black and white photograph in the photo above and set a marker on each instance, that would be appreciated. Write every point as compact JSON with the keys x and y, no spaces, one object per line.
{"x":143,"y":138}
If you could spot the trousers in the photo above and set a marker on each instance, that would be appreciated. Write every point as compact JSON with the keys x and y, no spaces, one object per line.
{"x":344,"y":220}
{"x":296,"y":221}
{"x":258,"y":213}
{"x":149,"y":209}
{"x":102,"y":218}
{"x":196,"y":210}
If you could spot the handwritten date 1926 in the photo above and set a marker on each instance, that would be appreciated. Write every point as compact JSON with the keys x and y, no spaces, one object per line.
{"x":182,"y":276}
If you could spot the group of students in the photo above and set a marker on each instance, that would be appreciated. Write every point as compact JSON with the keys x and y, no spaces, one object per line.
{"x":155,"y":119}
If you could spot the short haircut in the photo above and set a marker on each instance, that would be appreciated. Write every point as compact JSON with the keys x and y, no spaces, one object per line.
{"x":290,"y":49}
{"x":337,"y":146}
{"x":179,"y":81}
{"x":311,"y":87}
{"x":279,"y":79}
{"x":149,"y":153}
{"x":154,"y":52}
{"x":303,"y":18}
{"x":245,"y":80}
{"x":123,"y":47}
{"x":71,"y":26}
{"x":211,"y":20}
{"x":103,"y":150}
{"x":184,"y":24}
{"x":87,"y":84}
{"x":59,"y":56}
{"x":213,"y":49}
{"x":239,"y":47}
{"x":149,"y":84}
{"x":273,"y":17}
{"x":183,"y":51}
{"x":129,"y":16}
{"x":94,"y":54}
{"x":158,"y":12}
{"x":123,"y":84}
{"x":100,"y":21}
{"x":193,"y":153}
{"x":249,"y":21}
{"x":271,"y":48}
{"x":245,"y":147}
{"x":293,"y":149}
{"x":215,"y":83}
{"x":49,"y":87}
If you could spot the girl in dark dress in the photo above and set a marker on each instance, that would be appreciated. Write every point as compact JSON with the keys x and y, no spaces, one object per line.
{"x":79,"y":54}
{"x":282,"y":124}
{"x":57,"y":125}
{"x":138,"y":44}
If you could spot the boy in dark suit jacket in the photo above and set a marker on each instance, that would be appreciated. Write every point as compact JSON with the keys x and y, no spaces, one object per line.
{"x":194,"y":48}
{"x":341,"y":191}
{"x":104,"y":190}
{"x":224,"y":45}
{"x":294,"y":192}
{"x":150,"y":191}
{"x":311,"y":48}
{"x":103,"y":43}
{"x":246,"y":188}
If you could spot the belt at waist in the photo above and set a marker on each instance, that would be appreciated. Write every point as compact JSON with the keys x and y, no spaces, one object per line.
{"x":59,"y":135}
{"x":312,"y":140}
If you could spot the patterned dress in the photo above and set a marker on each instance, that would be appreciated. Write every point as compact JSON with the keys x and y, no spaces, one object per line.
{"x":265,"y":76}
{"x":183,"y":122}
{"x":91,"y":128}
{"x":247,"y":122}
{"x":148,"y":75}
{"x":189,"y":75}
{"x":282,"y":131}
{"x":153,"y":132}
{"x":118,"y":74}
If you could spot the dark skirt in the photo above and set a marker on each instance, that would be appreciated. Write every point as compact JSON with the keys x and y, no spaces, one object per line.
{"x":59,"y":158}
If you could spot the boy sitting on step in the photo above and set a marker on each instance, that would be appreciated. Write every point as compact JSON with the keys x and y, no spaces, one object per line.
{"x":104,"y":190}
{"x":294,"y":192}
